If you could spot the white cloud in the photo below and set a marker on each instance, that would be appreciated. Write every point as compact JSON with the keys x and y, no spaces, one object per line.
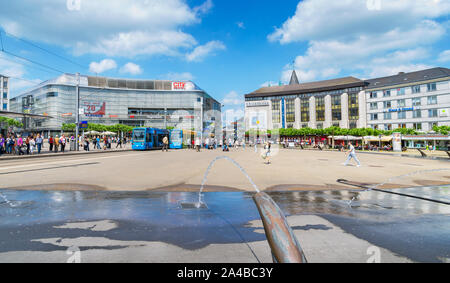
{"x":204,"y":8}
{"x":325,"y":19}
{"x":102,"y":66}
{"x":17,"y":73}
{"x":131,"y":68}
{"x":233,"y":107}
{"x":241,"y":25}
{"x":360,"y":40}
{"x":202,"y":51}
{"x":444,"y":56}
{"x":186,"y":76}
{"x":233,"y":98}
{"x":111,"y":27}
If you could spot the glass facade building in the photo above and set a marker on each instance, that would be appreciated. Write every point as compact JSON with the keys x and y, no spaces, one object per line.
{"x":108,"y":101}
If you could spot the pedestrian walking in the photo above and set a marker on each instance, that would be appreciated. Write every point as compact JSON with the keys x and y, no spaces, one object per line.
{"x":197,"y":144}
{"x":266,"y":153}
{"x":50,"y":142}
{"x":351,"y":154}
{"x":119,"y":142}
{"x":165,"y":144}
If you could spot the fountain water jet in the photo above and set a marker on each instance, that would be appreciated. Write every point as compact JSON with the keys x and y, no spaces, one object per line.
{"x":201,"y":203}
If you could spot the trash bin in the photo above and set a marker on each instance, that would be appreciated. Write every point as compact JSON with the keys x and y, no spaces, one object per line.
{"x":73,"y":146}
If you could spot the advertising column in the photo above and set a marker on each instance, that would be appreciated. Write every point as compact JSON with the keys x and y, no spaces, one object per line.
{"x":397,"y":142}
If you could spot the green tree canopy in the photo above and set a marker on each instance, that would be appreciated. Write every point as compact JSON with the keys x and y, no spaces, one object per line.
{"x":10,"y":122}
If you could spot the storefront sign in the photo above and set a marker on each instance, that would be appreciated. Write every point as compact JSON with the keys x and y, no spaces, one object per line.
{"x":257,"y":103}
{"x":401,"y":109}
{"x":183,"y":86}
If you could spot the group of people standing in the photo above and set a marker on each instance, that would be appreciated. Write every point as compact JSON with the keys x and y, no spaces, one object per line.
{"x":58,"y":143}
{"x":15,"y":144}
{"x":18,"y":145}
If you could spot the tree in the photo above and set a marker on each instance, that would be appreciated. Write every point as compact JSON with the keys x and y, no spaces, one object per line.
{"x":10,"y":122}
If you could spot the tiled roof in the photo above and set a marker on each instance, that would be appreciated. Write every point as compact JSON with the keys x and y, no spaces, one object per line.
{"x":405,"y":78}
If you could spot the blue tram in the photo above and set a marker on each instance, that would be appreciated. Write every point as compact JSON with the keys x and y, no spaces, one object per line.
{"x":176,"y":139}
{"x":148,"y":138}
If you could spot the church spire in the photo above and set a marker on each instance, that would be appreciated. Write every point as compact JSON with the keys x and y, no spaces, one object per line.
{"x":294,"y":79}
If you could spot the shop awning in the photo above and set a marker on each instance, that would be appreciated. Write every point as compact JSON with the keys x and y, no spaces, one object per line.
{"x":378,"y":139}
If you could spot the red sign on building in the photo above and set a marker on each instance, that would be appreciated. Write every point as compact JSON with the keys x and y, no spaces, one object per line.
{"x":178,"y":85}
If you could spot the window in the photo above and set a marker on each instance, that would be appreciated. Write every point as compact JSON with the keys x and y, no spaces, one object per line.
{"x":352,"y":125}
{"x":304,"y":125}
{"x":5,"y":95}
{"x":432,"y":125}
{"x":290,"y":110}
{"x":417,"y":114}
{"x":52,"y":94}
{"x":386,"y":93}
{"x":432,"y":100}
{"x":353,"y":107}
{"x":373,"y":94}
{"x":373,"y":105}
{"x":417,"y":126}
{"x":401,"y":103}
{"x":5,"y":106}
{"x":431,"y":87}
{"x":304,"y":108}
{"x":416,"y":101}
{"x":387,"y":127}
{"x":402,"y":115}
{"x":5,"y":84}
{"x":387,"y":104}
{"x":336,"y":112}
{"x":432,"y":113}
{"x":276,"y":113}
{"x":415,"y":89}
{"x":319,"y":126}
{"x":320,"y":109}
{"x":387,"y":116}
{"x":401,"y":91}
{"x":373,"y":117}
{"x":402,"y":126}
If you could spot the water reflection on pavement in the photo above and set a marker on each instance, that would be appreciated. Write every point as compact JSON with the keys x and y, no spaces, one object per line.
{"x":410,"y":227}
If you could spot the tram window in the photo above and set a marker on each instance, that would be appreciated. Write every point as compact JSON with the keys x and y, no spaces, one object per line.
{"x":149,"y":137}
{"x":139,"y":136}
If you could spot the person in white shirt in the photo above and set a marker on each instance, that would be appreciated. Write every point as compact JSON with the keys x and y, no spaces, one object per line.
{"x":352,"y":154}
{"x":197,"y":144}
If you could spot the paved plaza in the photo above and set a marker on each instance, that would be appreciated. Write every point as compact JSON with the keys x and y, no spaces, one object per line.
{"x":126,"y":207}
{"x":183,"y":170}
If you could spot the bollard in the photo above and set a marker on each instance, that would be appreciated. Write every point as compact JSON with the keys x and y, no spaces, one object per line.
{"x":282,"y":241}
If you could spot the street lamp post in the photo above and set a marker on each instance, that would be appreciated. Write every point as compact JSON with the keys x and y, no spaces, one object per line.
{"x":77,"y":114}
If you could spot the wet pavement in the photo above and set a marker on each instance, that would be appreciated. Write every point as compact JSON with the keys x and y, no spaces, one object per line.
{"x":42,"y":225}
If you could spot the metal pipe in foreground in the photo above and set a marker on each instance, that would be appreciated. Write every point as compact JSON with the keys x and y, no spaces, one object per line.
{"x":282,"y":241}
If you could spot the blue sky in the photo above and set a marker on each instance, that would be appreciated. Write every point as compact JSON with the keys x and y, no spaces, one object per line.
{"x":228,"y":47}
